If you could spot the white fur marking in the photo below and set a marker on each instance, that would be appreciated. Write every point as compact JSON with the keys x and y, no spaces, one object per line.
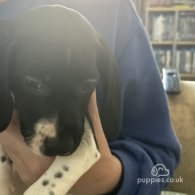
{"x":44,"y":128}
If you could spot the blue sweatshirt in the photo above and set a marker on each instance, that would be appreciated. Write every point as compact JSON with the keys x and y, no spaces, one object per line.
{"x":147,"y":139}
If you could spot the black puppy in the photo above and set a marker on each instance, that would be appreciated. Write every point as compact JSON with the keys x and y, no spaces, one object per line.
{"x":51,"y":60}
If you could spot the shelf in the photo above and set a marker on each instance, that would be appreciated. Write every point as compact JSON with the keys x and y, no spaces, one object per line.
{"x":189,"y":43}
{"x":170,"y":29}
{"x":162,"y":42}
{"x":189,"y":76}
{"x":160,"y":9}
{"x":184,"y":43}
{"x":170,"y":9}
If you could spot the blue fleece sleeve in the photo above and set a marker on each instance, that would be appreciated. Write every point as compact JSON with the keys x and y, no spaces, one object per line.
{"x":147,"y":137}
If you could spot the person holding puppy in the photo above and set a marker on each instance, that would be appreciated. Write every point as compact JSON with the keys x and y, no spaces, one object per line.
{"x":146,"y":136}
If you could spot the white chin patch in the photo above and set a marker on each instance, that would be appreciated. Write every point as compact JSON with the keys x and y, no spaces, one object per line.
{"x":44,"y":128}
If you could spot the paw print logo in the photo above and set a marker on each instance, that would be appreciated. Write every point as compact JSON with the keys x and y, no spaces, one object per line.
{"x":160,"y":170}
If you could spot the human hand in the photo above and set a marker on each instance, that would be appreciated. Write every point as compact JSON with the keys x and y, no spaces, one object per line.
{"x":28,"y":165}
{"x":104,"y":176}
{"x":13,"y":130}
{"x":98,"y":130}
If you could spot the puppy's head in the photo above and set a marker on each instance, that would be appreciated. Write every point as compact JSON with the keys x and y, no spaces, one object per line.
{"x":51,"y":68}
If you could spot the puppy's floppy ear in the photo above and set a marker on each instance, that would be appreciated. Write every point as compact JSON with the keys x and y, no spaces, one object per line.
{"x":110,"y":91}
{"x":6,"y":104}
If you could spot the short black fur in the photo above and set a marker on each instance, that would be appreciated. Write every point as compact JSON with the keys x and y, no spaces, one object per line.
{"x":51,"y":61}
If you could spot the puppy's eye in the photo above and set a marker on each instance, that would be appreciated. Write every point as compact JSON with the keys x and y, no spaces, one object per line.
{"x":33,"y":83}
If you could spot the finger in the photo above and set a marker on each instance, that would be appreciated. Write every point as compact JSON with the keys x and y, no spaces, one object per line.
{"x":14,"y":123}
{"x":15,"y":119}
{"x":92,"y":106}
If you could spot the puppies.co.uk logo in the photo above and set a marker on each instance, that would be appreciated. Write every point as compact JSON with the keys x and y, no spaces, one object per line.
{"x":159,"y":174}
{"x":160,"y":170}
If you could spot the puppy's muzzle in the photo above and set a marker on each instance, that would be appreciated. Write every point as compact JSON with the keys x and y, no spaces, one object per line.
{"x":47,"y":140}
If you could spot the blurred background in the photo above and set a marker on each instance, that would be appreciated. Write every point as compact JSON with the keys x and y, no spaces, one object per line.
{"x":171,"y":28}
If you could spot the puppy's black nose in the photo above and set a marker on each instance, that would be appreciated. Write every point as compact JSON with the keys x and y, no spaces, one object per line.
{"x":54,"y":147}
